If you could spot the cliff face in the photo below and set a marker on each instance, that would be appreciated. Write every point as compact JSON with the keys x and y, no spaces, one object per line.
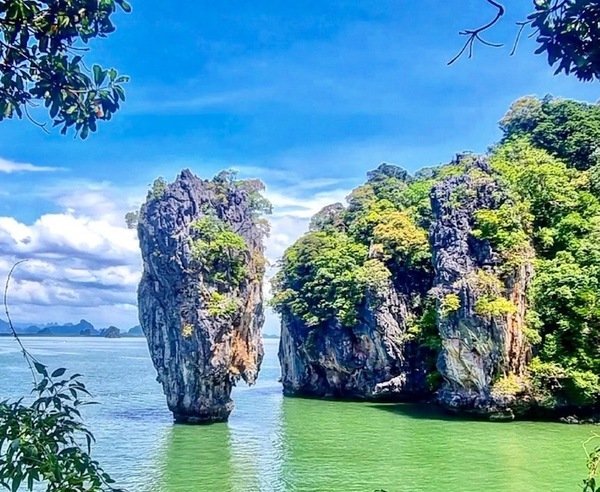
{"x":200,"y":297}
{"x":481,"y":297}
{"x":447,"y":275}
{"x":373,"y":359}
{"x":350,"y":293}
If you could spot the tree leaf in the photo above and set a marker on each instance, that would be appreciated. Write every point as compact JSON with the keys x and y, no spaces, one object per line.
{"x":40,"y":368}
{"x":59,"y":372}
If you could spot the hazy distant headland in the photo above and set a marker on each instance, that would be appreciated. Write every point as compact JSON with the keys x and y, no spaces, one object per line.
{"x":81,"y":329}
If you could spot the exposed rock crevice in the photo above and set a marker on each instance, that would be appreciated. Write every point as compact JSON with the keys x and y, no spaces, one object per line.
{"x":372,"y":360}
{"x":202,"y":325}
{"x":483,"y":338}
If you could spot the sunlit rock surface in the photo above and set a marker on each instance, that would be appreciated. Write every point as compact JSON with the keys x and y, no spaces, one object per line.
{"x":483,"y":339}
{"x":203,"y":335}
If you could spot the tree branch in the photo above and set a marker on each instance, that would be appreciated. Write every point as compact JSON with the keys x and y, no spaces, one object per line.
{"x":28,"y":357}
{"x":475,"y":34}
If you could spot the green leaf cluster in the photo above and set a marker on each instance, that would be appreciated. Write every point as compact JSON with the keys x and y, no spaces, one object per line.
{"x":569,"y":130}
{"x":321,"y":278}
{"x":219,"y":304}
{"x":562,"y":214}
{"x":357,"y":252}
{"x":221,"y":253}
{"x":567,"y":31}
{"x":449,"y":304}
{"x":157,"y":190}
{"x":41,"y":46}
{"x":40,"y":442}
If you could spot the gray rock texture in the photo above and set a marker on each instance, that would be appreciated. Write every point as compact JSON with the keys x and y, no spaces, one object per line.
{"x":478,"y":347}
{"x":372,"y":360}
{"x":199,"y":351}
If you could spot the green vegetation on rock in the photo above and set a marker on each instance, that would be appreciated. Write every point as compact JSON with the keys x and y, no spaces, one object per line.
{"x":567,"y":129}
{"x":220,"y":252}
{"x":544,"y":221}
{"x":321,"y":278}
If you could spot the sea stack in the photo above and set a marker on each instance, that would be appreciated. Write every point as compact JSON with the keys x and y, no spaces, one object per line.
{"x":201,"y":294}
{"x":349,"y":301}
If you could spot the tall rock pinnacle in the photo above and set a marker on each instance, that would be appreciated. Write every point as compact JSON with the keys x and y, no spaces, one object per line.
{"x":200,"y":297}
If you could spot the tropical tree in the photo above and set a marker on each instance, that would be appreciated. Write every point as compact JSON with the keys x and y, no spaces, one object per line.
{"x":42,"y":45}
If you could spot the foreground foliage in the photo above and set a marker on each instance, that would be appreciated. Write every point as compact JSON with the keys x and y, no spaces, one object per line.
{"x":40,"y":443}
{"x":591,"y":483}
{"x":42,"y":44}
{"x":565,"y":30}
{"x":45,"y":443}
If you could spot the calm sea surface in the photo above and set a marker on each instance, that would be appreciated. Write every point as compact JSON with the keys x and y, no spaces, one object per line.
{"x":273,"y":443}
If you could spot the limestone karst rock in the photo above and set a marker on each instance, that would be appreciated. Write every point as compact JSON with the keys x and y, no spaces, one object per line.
{"x":482,"y":330}
{"x":370,"y":354}
{"x":449,"y":291}
{"x":370,"y":360}
{"x":200,"y":296}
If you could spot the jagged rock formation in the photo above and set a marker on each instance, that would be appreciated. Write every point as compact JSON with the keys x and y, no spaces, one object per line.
{"x":370,"y":360}
{"x":348,"y":309}
{"x":111,"y":332}
{"x":453,"y":284}
{"x":440,"y":265}
{"x":200,"y":297}
{"x":481,"y":295}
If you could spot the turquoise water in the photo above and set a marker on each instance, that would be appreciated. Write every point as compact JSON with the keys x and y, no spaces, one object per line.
{"x":273,"y":443}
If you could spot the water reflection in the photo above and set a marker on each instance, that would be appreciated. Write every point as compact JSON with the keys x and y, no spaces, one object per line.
{"x":272,"y":444}
{"x":336,"y":446}
{"x":244,"y":455}
{"x":195,"y":458}
{"x":298,"y":445}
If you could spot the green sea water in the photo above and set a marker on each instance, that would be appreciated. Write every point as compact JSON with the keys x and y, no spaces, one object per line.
{"x":273,"y":443}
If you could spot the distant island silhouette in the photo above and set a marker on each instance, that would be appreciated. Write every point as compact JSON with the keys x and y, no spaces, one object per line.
{"x":81,"y":329}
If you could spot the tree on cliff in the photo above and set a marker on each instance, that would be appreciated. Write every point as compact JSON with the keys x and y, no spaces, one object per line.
{"x":569,"y":130}
{"x":566,"y":31}
{"x":42,"y":43}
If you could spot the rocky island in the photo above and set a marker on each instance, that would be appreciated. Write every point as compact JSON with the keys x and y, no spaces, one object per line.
{"x":474,"y":284}
{"x":200,"y":297}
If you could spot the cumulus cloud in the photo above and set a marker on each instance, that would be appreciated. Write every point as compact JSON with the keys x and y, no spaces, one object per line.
{"x":8,"y":167}
{"x":75,"y":264}
{"x":84,"y":263}
{"x":82,"y":260}
{"x":292,"y":210}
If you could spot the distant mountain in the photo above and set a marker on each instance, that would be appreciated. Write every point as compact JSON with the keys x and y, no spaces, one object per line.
{"x":5,"y":327}
{"x":136,"y":331}
{"x":69,"y":329}
{"x":270,"y":335}
{"x":82,"y":329}
{"x":111,"y":332}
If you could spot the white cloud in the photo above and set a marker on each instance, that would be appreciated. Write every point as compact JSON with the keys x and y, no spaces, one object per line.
{"x":8,"y":167}
{"x":100,"y":200}
{"x":292,"y":211}
{"x":84,"y":263}
{"x":75,"y":264}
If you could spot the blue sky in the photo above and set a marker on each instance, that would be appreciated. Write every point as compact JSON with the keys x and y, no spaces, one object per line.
{"x":306,"y":95}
